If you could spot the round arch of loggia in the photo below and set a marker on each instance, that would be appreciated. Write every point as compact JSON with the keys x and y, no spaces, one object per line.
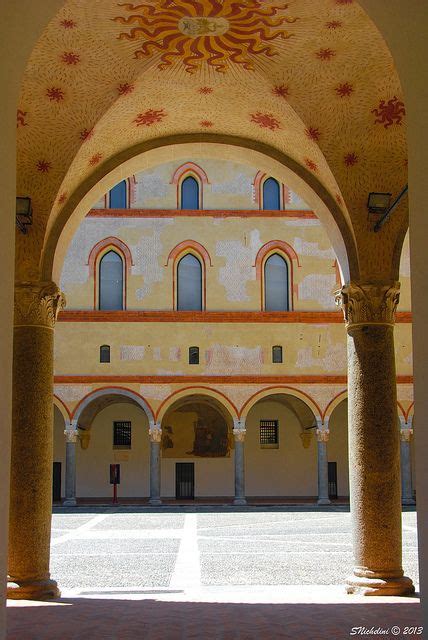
{"x":118,"y":391}
{"x":62,"y":408}
{"x":247,"y":151}
{"x":283,"y":390}
{"x":208,"y":392}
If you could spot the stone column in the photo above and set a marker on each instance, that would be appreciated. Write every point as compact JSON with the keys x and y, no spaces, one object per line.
{"x":406,"y":434}
{"x":374,"y":463}
{"x":36,"y":308}
{"x":322,"y":439}
{"x":155,"y":433}
{"x":239,"y":432}
{"x":71,"y":436}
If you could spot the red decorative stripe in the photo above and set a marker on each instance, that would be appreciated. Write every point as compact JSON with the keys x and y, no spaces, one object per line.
{"x":311,"y":379}
{"x":205,"y":213}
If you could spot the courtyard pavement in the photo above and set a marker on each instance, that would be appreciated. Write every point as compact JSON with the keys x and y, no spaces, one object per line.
{"x":209,"y":572}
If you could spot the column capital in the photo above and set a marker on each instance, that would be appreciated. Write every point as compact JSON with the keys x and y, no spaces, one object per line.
{"x":368,"y":303}
{"x":155,"y":432}
{"x":322,"y":435}
{"x":71,"y":435}
{"x":239,"y":435}
{"x":37,"y":304}
{"x":406,"y":435}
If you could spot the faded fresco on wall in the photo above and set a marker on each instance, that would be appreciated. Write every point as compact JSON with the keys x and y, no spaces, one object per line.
{"x":195,"y":430}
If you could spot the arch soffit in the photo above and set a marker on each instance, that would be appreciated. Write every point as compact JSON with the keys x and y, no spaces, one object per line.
{"x":272,"y":391}
{"x":118,"y":391}
{"x":208,"y":392}
{"x":62,"y":408}
{"x":248,"y":151}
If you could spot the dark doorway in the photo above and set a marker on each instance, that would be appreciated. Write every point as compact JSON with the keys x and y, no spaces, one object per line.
{"x":56,"y":485}
{"x":185,"y":480}
{"x":332,"y":479}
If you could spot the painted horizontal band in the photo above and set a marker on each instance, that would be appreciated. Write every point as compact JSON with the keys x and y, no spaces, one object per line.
{"x":237,"y":379}
{"x":201,"y":213}
{"x":280,"y":317}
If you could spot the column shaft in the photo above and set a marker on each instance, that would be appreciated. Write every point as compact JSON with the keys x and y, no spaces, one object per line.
{"x":406,"y":469}
{"x":239,"y":467}
{"x":323,"y":498}
{"x":70,"y":468}
{"x":155,"y":465}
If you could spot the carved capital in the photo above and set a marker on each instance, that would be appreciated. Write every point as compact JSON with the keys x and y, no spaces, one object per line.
{"x":155,"y":433}
{"x":37,"y":303}
{"x":370,"y":303}
{"x":239,"y":435}
{"x":322,"y":435}
{"x":71,"y":435}
{"x":406,"y":435}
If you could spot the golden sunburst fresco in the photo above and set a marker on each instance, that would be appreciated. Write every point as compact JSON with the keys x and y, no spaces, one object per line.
{"x":215,"y":32}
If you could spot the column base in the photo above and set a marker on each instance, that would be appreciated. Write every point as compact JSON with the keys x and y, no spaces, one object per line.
{"x":399,"y":586}
{"x":324,"y":501}
{"x":33,"y":590}
{"x":69,"y":502}
{"x":155,"y":502}
{"x":240,"y":502}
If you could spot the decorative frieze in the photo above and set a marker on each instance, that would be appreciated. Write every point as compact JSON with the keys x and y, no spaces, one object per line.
{"x":370,"y":303}
{"x":37,"y":303}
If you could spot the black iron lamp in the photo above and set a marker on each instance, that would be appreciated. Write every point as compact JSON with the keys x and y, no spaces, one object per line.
{"x":378,"y":202}
{"x":24,"y":213}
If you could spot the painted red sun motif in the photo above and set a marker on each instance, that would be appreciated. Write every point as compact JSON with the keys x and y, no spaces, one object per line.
{"x":281,"y":90}
{"x":344,"y":89}
{"x":389,"y":113}
{"x":205,"y":90}
{"x":333,"y":24}
{"x":350,"y":159}
{"x":325,"y":54}
{"x":20,"y":118}
{"x":69,"y":57}
{"x":311,"y":164}
{"x":206,"y":123}
{"x":218,"y":33}
{"x":62,"y":198}
{"x":43,"y":166}
{"x":265,"y":120}
{"x":149,"y":117}
{"x":86,"y":134}
{"x":55,"y":94}
{"x":68,"y":23}
{"x":125,"y":88}
{"x":95,"y":159}
{"x":312,"y":133}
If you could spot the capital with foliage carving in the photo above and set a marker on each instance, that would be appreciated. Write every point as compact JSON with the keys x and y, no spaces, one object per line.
{"x":322,"y":435}
{"x":406,"y":435}
{"x":71,"y":435}
{"x":368,"y":303}
{"x":239,"y":435}
{"x":155,"y":432}
{"x":37,"y":304}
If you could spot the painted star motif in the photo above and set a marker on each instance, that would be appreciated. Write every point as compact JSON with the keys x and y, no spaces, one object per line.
{"x":125,"y":88}
{"x":205,"y":90}
{"x":68,"y":24}
{"x":325,"y":54}
{"x":69,"y":57}
{"x":265,"y":120}
{"x":344,"y":89}
{"x":281,"y":91}
{"x":149,"y":117}
{"x":206,"y":123}
{"x":55,"y":94}
{"x":86,"y":134}
{"x":311,"y":164}
{"x":312,"y":133}
{"x":95,"y":159}
{"x":350,"y":159}
{"x":43,"y":166}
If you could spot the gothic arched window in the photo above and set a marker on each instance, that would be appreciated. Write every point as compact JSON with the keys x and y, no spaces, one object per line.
{"x":276,"y":283}
{"x":111,"y":282}
{"x":189,"y":284}
{"x":190,"y":193}
{"x":271,"y":195}
{"x":118,"y":196}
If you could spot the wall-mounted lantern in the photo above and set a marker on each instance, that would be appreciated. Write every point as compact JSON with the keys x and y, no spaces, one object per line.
{"x":378,"y":202}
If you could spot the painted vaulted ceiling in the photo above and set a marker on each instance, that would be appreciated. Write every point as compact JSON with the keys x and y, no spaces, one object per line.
{"x":313,"y":80}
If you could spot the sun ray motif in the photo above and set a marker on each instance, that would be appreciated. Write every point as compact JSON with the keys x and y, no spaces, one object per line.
{"x":193,"y":32}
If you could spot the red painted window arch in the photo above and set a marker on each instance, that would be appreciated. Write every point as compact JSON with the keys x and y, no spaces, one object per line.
{"x":190,"y":169}
{"x":131,"y":192}
{"x":259,"y":179}
{"x":98,"y":251}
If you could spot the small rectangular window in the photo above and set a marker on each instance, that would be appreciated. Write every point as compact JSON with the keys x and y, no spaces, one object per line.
{"x":105,"y":353}
{"x":121,"y":435}
{"x":269,"y":434}
{"x":277,"y":354}
{"x":193,"y":355}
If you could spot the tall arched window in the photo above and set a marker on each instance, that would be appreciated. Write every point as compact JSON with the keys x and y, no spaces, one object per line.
{"x":190,"y":193}
{"x":271,"y":194}
{"x":111,"y":282}
{"x":118,"y":196}
{"x":276,"y":283}
{"x":189,"y":284}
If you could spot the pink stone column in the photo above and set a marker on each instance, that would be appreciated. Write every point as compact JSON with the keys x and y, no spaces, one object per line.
{"x":374,"y":453}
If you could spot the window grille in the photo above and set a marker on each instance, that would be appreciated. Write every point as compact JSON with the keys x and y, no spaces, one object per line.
{"x":269,"y":434}
{"x":122,"y":435}
{"x":105,"y":353}
{"x":277,"y":354}
{"x":193,"y":355}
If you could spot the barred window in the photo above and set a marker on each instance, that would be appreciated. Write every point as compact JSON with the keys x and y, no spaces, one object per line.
{"x":121,"y":435}
{"x":269,"y":434}
{"x":193,"y":355}
{"x":277,"y":354}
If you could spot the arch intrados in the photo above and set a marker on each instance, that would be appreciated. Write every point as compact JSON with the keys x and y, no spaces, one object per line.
{"x":263,"y":394}
{"x":112,"y":391}
{"x":244,"y":150}
{"x":206,"y":392}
